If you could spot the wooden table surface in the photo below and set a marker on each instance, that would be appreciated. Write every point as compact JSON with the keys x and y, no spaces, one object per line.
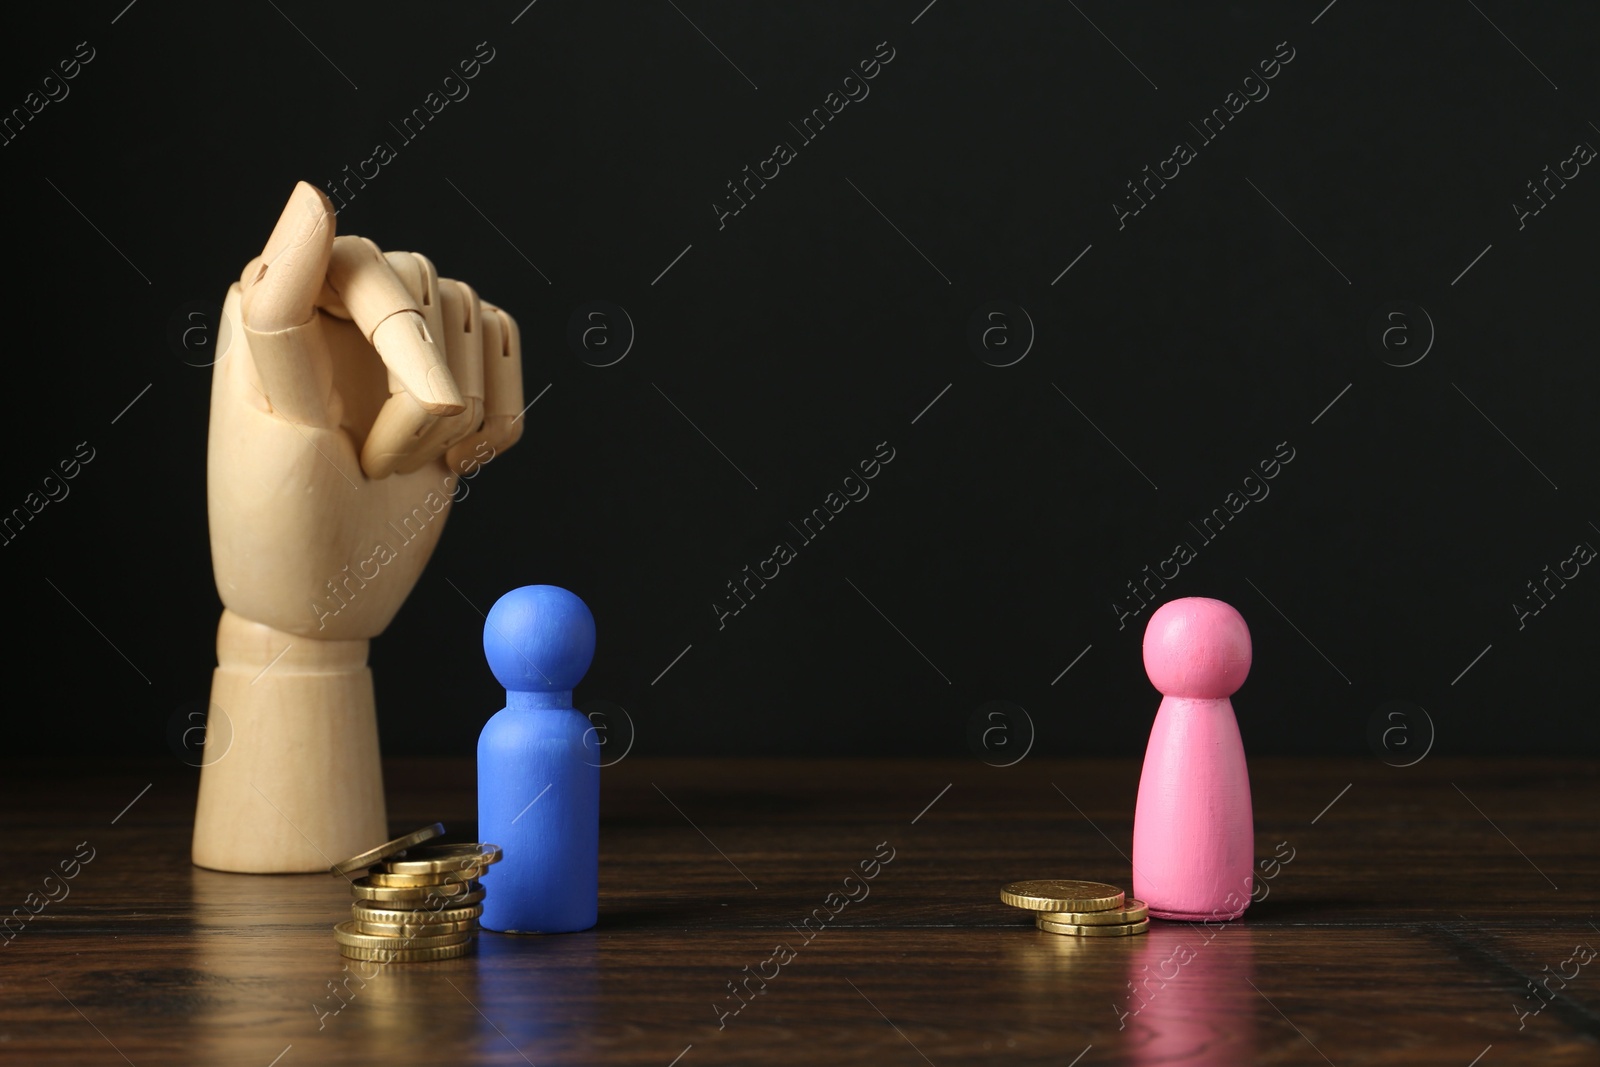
{"x":1416,"y":909}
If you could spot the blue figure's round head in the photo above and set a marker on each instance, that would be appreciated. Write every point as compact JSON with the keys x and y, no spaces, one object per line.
{"x":539,"y":638}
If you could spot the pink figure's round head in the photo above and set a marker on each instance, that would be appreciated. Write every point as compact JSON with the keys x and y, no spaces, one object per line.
{"x":1197,"y":648}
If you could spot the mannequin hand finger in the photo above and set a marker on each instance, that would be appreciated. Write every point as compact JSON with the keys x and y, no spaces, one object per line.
{"x":392,"y":321}
{"x":464,"y":336}
{"x":502,"y":395}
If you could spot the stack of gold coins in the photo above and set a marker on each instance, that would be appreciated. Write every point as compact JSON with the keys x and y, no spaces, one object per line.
{"x":417,"y":902}
{"x":1079,"y":909}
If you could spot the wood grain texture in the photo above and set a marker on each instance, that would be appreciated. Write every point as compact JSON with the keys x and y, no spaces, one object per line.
{"x":1404,"y":929}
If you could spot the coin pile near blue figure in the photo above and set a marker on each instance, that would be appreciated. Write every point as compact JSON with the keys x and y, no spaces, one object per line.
{"x":417,"y":902}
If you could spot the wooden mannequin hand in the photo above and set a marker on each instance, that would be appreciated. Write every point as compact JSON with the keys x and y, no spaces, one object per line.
{"x":326,"y":493}
{"x":357,"y":392}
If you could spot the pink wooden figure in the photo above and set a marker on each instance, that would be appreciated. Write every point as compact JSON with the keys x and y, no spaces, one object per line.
{"x":1193,"y":830}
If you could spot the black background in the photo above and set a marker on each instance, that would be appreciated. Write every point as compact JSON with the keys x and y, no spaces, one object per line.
{"x":809,"y":329}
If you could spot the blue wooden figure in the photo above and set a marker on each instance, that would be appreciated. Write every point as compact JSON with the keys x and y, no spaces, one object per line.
{"x":539,"y":767}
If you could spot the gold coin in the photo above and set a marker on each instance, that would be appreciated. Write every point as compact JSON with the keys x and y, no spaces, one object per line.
{"x":456,"y":893}
{"x":406,"y":955}
{"x":346,"y":934}
{"x":1062,"y":894}
{"x":1132,"y":911}
{"x":1081,"y":930}
{"x":367,"y":913}
{"x":443,"y":859}
{"x":387,"y":849}
{"x":382,"y":876}
{"x":415,"y":929}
